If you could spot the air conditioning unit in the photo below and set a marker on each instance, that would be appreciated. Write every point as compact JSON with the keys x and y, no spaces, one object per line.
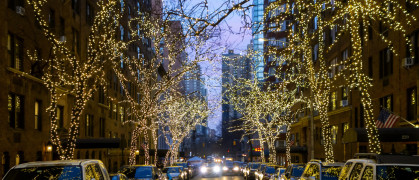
{"x":20,"y":10}
{"x":408,"y":62}
{"x":344,"y":103}
{"x":63,"y":38}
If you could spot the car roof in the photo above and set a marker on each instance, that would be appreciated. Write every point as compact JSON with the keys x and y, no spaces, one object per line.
{"x":137,"y":166}
{"x":389,"y":158}
{"x":56,"y":163}
{"x":314,"y":161}
{"x":174,"y":167}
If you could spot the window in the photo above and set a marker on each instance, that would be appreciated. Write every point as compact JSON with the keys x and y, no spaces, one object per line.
{"x":76,"y":41}
{"x":345,"y":93}
{"x":15,"y":51}
{"x":315,"y":23}
{"x":368,"y":173}
{"x":334,"y":131}
{"x":370,"y":67}
{"x":121,"y":114}
{"x":16,"y":111}
{"x":333,"y":100}
{"x":345,"y":127}
{"x":386,"y":62}
{"x":345,"y":56}
{"x":102,"y":127}
{"x":62,"y":27}
{"x":387,"y":102}
{"x":60,"y":116}
{"x":89,"y":14}
{"x":345,"y":170}
{"x":101,"y":95}
{"x":333,"y":33}
{"x":121,"y":30}
{"x":38,"y":117}
{"x":356,"y":171}
{"x":51,"y":20}
{"x":383,"y":29}
{"x":75,"y":5}
{"x":122,"y":5}
{"x":89,"y":125}
{"x":115,"y":111}
{"x":315,"y":52}
{"x":413,"y":49}
{"x":411,"y":103}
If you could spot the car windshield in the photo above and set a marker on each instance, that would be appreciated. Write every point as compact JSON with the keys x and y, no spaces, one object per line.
{"x":229,"y":163}
{"x":297,"y":171}
{"x":255,"y":166}
{"x":398,"y":172}
{"x":45,"y":172}
{"x":330,"y":172}
{"x":137,"y":172}
{"x":270,"y":170}
{"x":171,"y":170}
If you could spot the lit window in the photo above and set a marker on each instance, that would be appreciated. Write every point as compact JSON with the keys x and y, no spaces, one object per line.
{"x":334,"y":132}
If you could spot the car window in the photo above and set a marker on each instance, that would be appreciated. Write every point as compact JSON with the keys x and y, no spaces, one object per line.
{"x":98,"y":172}
{"x":345,"y":171}
{"x":297,"y":170}
{"x":104,"y":170}
{"x":45,"y":172}
{"x":368,"y":173}
{"x":356,"y":171}
{"x":330,"y":172}
{"x":397,"y":172}
{"x":312,"y":170}
{"x":90,"y":174}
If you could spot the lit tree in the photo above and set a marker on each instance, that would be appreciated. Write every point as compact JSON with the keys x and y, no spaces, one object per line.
{"x":68,"y":74}
{"x":179,"y":116}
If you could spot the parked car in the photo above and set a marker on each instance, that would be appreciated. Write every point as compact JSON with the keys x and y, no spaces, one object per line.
{"x":61,"y":169}
{"x":375,"y":167}
{"x":259,"y":171}
{"x":267,"y":172}
{"x":250,"y":170}
{"x":318,"y":170}
{"x":174,"y":173}
{"x":141,"y":172}
{"x":211,"y":170}
{"x":186,"y":168}
{"x":278,"y":174}
{"x":118,"y":176}
{"x":293,"y":172}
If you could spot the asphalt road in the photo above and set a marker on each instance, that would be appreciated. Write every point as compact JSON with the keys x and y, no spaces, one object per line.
{"x":219,"y":178}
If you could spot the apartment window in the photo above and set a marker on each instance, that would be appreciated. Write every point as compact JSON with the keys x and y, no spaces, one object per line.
{"x":387,"y":102}
{"x":114,"y":109}
{"x":315,"y":23}
{"x":16,"y":111}
{"x":333,"y":100}
{"x":334,"y":131}
{"x":411,"y":103}
{"x":315,"y":52}
{"x":333,"y":33}
{"x":38,"y":117}
{"x":386,"y":63}
{"x":370,"y":33}
{"x":121,"y":114}
{"x":75,"y":5}
{"x":413,"y":49}
{"x":76,"y":41}
{"x":102,"y":127}
{"x":15,"y":51}
{"x":345,"y":127}
{"x":122,"y":31}
{"x":121,"y":2}
{"x":345,"y":93}
{"x":101,"y":95}
{"x":89,"y":13}
{"x":60,"y":116}
{"x":62,"y":26}
{"x":89,"y":125}
{"x":383,"y":29}
{"x":51,"y":20}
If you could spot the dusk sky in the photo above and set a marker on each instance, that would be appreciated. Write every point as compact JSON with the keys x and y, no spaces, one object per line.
{"x":237,"y":41}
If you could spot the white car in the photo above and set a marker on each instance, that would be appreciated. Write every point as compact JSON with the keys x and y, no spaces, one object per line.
{"x":318,"y":170}
{"x":375,"y":167}
{"x":61,"y":169}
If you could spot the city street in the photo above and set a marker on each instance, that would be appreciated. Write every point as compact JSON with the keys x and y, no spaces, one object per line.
{"x":218,"y":178}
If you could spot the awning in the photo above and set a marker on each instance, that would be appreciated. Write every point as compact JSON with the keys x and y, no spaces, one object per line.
{"x":385,"y":135}
{"x":98,"y":143}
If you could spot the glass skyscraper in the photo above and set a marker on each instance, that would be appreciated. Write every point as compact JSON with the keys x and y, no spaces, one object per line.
{"x":258,"y":37}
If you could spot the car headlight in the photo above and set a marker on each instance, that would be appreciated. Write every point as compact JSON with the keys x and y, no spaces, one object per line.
{"x":225,"y":168}
{"x":236,"y":168}
{"x":203,"y":169}
{"x":217,"y":169}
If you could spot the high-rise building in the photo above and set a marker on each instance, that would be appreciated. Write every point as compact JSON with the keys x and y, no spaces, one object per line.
{"x":258,"y":38}
{"x":234,"y":66}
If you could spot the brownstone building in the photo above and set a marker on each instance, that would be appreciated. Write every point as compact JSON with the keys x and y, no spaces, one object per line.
{"x":25,"y":124}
